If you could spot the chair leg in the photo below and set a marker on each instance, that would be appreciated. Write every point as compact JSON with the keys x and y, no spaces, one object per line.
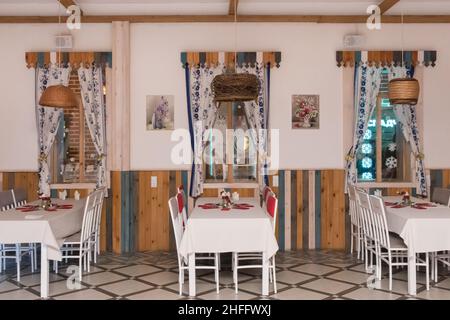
{"x":18,"y":261}
{"x":390,"y":273}
{"x":80,"y":270}
{"x":427,"y":271}
{"x":180,"y":281}
{"x":432,"y":266}
{"x":31,"y":253}
{"x":352,"y":237}
{"x":216,"y":270}
{"x":235,"y":273}
{"x":274,"y":270}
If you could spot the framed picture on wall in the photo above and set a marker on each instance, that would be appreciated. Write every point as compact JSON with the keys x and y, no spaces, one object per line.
{"x":305,"y":111}
{"x":160,"y":112}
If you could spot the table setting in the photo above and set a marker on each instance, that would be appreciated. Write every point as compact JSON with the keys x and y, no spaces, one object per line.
{"x":227,"y":202}
{"x":406,"y":201}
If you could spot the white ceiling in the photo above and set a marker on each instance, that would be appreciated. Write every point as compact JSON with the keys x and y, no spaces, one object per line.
{"x":99,"y":7}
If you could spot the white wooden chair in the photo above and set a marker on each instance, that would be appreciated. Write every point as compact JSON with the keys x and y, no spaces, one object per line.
{"x":363,"y":211}
{"x":97,"y":223}
{"x":356,"y":232}
{"x":178,"y":230}
{"x":387,"y":245}
{"x":80,"y":245}
{"x":271,"y":207}
{"x":14,"y":251}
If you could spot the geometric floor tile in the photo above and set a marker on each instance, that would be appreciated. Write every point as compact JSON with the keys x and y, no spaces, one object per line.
{"x":290,"y":277}
{"x":98,"y":279}
{"x":299,"y":294}
{"x":161,"y":278}
{"x":302,"y":274}
{"x":156,"y":294}
{"x":125,"y":287}
{"x":87,"y":294}
{"x":227,"y":294}
{"x":350,"y":276}
{"x":327,"y":286}
{"x":315,"y":269}
{"x":370,"y":294}
{"x":137,"y":270}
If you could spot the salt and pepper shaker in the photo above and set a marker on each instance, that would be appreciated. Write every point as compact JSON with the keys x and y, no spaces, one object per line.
{"x":77,"y":195}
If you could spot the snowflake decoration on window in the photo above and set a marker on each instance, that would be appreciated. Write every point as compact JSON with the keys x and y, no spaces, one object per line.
{"x":366,"y":148}
{"x":367,"y":163}
{"x":392,"y":147}
{"x":368,"y":135}
{"x":391,"y":163}
{"x":367,"y":176}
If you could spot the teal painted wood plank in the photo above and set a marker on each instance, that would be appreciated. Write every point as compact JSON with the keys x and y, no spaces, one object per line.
{"x":318,"y":197}
{"x":305,"y":196}
{"x":281,"y":210}
{"x":184,"y":179}
{"x":294,"y":210}
{"x":436,"y":180}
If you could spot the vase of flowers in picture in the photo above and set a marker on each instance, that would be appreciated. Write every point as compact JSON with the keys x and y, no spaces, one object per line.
{"x":161,"y":115}
{"x":306,"y":111}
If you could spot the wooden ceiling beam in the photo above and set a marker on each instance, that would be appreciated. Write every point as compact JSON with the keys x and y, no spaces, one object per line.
{"x":232,"y":8}
{"x":387,"y":4}
{"x":229,"y":18}
{"x":68,"y":3}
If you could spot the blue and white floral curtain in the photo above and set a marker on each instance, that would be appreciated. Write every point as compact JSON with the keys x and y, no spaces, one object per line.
{"x":91,"y":83}
{"x":202,"y":112}
{"x":406,"y":115}
{"x":48,"y":120}
{"x":367,"y":87}
{"x":257,"y":116}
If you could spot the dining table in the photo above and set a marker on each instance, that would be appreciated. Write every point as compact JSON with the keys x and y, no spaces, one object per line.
{"x":212,"y":229}
{"x":423,"y":226}
{"x":32,"y":224}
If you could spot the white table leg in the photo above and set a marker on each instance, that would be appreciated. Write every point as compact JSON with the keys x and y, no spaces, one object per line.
{"x":265,"y":275}
{"x":192,"y":290}
{"x":44,"y":271}
{"x":412,"y":272}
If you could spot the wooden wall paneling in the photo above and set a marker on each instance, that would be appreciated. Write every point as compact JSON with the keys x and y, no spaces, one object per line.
{"x":27,"y":181}
{"x":332,"y":209}
{"x":294,"y":210}
{"x":173,"y":185}
{"x":446,"y":178}
{"x":304,"y":185}
{"x":287,"y":210}
{"x":312,"y":209}
{"x":116,"y":211}
{"x":281,"y":210}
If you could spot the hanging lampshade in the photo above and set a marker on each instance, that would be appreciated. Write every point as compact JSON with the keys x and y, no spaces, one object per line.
{"x":230,"y":87}
{"x":404,"y":91}
{"x":58,"y":96}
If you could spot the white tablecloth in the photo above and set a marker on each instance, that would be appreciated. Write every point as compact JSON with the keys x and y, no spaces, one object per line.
{"x":213,"y":230}
{"x":422,"y":230}
{"x":49,"y":228}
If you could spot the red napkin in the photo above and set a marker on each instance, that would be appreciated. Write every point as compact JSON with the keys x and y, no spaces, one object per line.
{"x":418,"y":206}
{"x":51,"y":209}
{"x":64,"y":206}
{"x":398,"y":206}
{"x":225,"y":209}
{"x":387,"y":203}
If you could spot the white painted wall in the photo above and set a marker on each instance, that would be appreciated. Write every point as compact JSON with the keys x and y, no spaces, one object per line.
{"x":308,"y":66}
{"x":18,"y":137}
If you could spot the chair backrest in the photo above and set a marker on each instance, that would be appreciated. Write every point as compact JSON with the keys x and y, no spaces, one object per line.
{"x":20,"y":197}
{"x":272,"y":208}
{"x":88,"y":216}
{"x":441,"y":195}
{"x":365,"y":212}
{"x":380,"y":222}
{"x":177,"y":221}
{"x":6,"y":200}
{"x":98,"y":206}
{"x":352,"y":211}
{"x":181,"y":206}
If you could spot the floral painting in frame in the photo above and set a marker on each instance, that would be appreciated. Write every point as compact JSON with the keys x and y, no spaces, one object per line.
{"x":160,"y":112}
{"x":305,"y":111}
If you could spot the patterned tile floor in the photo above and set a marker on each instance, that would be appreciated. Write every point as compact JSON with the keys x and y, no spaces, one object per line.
{"x":301,"y":275}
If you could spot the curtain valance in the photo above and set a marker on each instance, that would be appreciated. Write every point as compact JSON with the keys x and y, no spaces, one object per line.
{"x":386,"y":58}
{"x":74,"y":59}
{"x":244,"y":59}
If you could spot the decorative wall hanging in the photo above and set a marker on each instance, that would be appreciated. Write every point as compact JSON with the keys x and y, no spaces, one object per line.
{"x":305,"y":111}
{"x":386,"y":58}
{"x":160,"y":112}
{"x":74,"y":59}
{"x":229,"y":59}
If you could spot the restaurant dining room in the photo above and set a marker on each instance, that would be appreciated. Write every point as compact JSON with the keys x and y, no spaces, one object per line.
{"x":215,"y":150}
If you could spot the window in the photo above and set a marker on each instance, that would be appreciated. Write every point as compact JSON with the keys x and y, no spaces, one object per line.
{"x":230,"y":155}
{"x":73,"y":154}
{"x":384,"y":155}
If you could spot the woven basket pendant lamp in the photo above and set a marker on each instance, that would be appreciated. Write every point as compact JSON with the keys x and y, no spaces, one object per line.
{"x":404,"y":90}
{"x":232,"y":86}
{"x":58,"y":96}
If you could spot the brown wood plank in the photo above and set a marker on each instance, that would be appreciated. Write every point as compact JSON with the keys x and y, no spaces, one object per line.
{"x":232,"y":7}
{"x":116,"y":211}
{"x":332,"y":210}
{"x":446,"y":178}
{"x":386,"y":5}
{"x":300,"y":209}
